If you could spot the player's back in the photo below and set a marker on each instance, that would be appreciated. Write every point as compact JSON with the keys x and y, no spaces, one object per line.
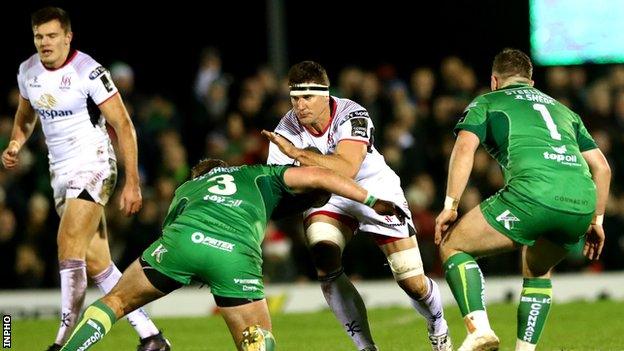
{"x":538,"y":143}
{"x":230,"y":201}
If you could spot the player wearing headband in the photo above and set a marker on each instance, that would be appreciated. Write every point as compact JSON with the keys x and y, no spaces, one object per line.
{"x":343,"y":131}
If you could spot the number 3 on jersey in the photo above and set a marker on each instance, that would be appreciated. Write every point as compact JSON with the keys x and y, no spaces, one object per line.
{"x":550,"y":124}
{"x":225,"y":185}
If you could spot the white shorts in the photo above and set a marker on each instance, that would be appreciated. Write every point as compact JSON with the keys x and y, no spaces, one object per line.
{"x":97,"y":177}
{"x":385,"y":186}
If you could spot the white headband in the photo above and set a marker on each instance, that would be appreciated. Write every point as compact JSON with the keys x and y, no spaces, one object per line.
{"x":309,"y":89}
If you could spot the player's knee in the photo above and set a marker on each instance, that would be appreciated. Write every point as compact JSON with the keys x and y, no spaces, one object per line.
{"x":96,"y":265}
{"x":537,"y":272}
{"x":447,"y":250}
{"x":256,"y":338}
{"x":320,"y":232}
{"x":406,"y":264}
{"x":326,"y":257}
{"x":117,"y":304}
{"x":326,"y":243}
{"x":416,"y":287}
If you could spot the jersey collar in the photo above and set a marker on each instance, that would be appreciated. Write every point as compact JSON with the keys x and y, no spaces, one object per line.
{"x":515,"y":85}
{"x":72,"y":54}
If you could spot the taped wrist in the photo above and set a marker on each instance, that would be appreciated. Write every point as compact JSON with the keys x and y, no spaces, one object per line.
{"x":370,"y":200}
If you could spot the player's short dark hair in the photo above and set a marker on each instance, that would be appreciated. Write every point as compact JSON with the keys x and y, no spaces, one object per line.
{"x":307,"y":72}
{"x":204,"y":166}
{"x":51,"y":13}
{"x":512,"y":62}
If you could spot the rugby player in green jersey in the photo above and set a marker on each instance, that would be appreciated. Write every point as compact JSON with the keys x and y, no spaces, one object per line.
{"x":212,"y":234}
{"x":556,"y":189}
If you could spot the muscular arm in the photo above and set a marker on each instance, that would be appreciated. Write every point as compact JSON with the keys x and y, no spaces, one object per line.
{"x":115,"y":113}
{"x":301,"y":179}
{"x":23,"y":126}
{"x":601,"y":173}
{"x":25,"y":121}
{"x":460,"y":167}
{"x":346,"y":160}
{"x":460,"y":164}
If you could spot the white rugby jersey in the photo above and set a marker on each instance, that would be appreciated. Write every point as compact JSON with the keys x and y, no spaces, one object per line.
{"x":349,"y":121}
{"x":66,"y":100}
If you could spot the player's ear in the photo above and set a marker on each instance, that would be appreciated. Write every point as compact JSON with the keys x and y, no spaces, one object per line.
{"x":531,"y":82}
{"x":493,"y":82}
{"x":69,"y":37}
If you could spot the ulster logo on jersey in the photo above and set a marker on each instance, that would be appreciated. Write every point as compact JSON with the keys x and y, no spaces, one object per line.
{"x":65,"y":81}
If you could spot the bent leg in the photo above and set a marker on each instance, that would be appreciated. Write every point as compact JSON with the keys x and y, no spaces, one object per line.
{"x":472,"y":237}
{"x":105,"y":275}
{"x":326,"y":239}
{"x":242,"y":319}
{"x":406,"y":264}
{"x":133,"y":290}
{"x":536,"y":296}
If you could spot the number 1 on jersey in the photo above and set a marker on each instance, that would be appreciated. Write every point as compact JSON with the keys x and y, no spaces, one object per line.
{"x":550,"y":124}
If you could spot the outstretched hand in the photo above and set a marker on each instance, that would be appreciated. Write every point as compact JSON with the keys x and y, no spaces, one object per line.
{"x":594,"y":241}
{"x":443,"y":222}
{"x":285,"y":146}
{"x":389,"y":208}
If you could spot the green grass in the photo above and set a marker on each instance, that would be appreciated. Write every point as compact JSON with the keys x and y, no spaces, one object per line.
{"x":573,"y":326}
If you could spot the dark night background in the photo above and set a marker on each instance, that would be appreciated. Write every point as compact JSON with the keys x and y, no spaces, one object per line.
{"x":163,"y":42}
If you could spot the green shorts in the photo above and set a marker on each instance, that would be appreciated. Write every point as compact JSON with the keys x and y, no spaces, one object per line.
{"x":524,"y":222}
{"x":230,"y":268}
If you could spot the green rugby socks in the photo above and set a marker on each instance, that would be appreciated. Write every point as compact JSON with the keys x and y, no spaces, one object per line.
{"x":466,"y":282}
{"x":533,"y":309}
{"x":96,"y":321}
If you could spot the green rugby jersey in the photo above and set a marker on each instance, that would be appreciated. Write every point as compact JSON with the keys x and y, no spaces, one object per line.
{"x":538,"y":143}
{"x":233,"y":203}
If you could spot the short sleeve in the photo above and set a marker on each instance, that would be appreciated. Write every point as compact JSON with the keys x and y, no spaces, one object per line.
{"x":21,"y":84}
{"x":474,"y":119}
{"x":278,"y":172}
{"x":99,"y":85}
{"x":583,"y":138}
{"x":356,"y":126}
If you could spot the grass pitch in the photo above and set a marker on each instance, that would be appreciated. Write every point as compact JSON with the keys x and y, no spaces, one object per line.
{"x":572,"y":326}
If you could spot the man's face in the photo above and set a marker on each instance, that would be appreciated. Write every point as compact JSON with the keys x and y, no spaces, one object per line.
{"x":52,"y":43}
{"x":309,"y":108}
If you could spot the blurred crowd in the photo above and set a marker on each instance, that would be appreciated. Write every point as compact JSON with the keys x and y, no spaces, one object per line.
{"x":413,"y":112}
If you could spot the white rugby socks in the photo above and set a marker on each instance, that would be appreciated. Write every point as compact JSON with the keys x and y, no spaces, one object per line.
{"x":138,"y":318}
{"x":73,"y":286}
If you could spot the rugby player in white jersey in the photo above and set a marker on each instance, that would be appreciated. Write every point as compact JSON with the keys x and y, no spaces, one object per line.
{"x":343,"y":132}
{"x":69,"y":92}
